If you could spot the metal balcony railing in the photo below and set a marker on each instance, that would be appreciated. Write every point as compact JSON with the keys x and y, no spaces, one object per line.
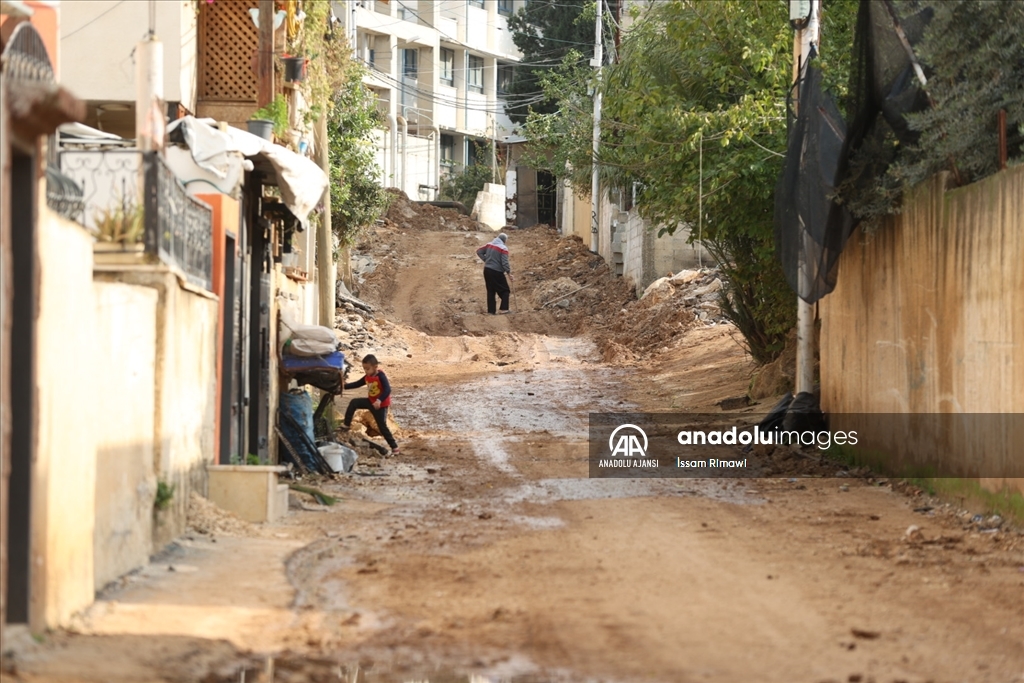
{"x":138,"y":192}
{"x":179,"y":228}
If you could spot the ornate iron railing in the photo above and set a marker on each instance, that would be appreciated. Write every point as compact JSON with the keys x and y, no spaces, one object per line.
{"x":25,"y":57}
{"x":121,"y":185}
{"x":109,"y":180}
{"x":179,"y":228}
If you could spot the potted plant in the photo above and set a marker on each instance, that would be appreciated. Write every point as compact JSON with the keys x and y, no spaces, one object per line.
{"x":120,"y":231}
{"x":270,"y":120}
{"x":294,"y":68}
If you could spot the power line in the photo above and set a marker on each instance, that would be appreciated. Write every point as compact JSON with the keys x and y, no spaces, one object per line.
{"x":93,"y":20}
{"x":515,"y":99}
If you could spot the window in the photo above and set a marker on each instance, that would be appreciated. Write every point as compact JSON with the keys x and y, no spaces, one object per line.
{"x":410,"y":62}
{"x":373,"y":58}
{"x":474,"y":73}
{"x":447,"y":150}
{"x":447,"y":66}
{"x":476,"y":3}
{"x":505,"y":74}
{"x":471,"y":152}
{"x":504,"y":6}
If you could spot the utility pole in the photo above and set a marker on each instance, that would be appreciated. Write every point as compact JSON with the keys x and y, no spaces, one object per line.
{"x":265,"y":55}
{"x":595,"y":182}
{"x":150,"y":124}
{"x":804,"y":16}
{"x":324,"y":242}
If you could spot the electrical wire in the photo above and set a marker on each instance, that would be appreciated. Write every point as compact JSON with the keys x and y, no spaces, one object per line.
{"x":93,"y":20}
{"x":516,"y":100}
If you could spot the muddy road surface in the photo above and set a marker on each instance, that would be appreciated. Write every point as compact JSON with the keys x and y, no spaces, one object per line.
{"x":484,"y":552}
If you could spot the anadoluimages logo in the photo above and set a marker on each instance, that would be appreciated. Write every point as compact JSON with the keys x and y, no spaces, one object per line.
{"x":628,"y":443}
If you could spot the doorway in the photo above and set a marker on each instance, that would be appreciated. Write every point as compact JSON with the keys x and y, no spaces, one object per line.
{"x":546,"y":197}
{"x":23,"y":387}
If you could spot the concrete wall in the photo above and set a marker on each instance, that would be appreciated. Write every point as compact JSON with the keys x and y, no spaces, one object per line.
{"x":185,"y":391}
{"x":575,"y":215}
{"x":187,"y":347}
{"x":634,"y":246}
{"x":489,"y":207}
{"x":928,"y":315}
{"x":64,"y":474}
{"x":95,"y":67}
{"x":125,"y":478}
{"x":637,"y":246}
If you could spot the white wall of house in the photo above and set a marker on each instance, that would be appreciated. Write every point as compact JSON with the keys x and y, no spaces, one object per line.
{"x":420,"y":167}
{"x":64,"y":473}
{"x":187,"y":381}
{"x":455,"y":110}
{"x":503,"y":43}
{"x":477,"y":120}
{"x":446,"y":109}
{"x":94,"y":67}
{"x":185,"y":373}
{"x":125,"y":410}
{"x":478,"y":30}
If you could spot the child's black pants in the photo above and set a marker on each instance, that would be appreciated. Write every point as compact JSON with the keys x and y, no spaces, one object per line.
{"x":379,"y":414}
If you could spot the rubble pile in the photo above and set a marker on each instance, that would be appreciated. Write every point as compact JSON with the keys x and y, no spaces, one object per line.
{"x":668,"y":307}
{"x":408,"y":215}
{"x":555,"y":290}
{"x":204,"y":517}
{"x":360,"y":333}
{"x":575,"y":285}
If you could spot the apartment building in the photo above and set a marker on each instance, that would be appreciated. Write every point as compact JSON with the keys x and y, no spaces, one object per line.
{"x":439,"y":69}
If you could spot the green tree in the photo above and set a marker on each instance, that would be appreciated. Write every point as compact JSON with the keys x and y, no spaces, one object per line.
{"x":974,"y":55}
{"x":547,"y":32}
{"x":463,"y":184}
{"x":697,"y":101}
{"x":357,"y":198}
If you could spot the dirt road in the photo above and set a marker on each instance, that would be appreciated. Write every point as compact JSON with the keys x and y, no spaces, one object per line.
{"x":485,"y":549}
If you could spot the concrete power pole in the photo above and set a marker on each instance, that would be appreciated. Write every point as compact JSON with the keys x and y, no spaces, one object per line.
{"x":804,"y":16}
{"x":595,"y":181}
{"x":324,"y":239}
{"x":150,"y":124}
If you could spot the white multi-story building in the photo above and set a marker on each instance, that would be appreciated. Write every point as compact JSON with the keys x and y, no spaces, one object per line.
{"x":439,"y":69}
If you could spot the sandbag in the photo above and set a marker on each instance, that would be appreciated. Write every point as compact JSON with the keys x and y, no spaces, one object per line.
{"x":306,"y":340}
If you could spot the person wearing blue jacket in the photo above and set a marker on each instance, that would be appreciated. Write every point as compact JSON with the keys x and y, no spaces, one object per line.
{"x":494,"y":254}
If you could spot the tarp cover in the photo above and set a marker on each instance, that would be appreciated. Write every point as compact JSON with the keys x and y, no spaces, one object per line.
{"x":301,"y":181}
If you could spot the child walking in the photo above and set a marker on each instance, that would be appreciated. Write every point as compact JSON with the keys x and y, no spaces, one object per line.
{"x":379,"y":398}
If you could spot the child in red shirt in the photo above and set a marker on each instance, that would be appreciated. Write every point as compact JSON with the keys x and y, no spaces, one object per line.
{"x":379,"y":390}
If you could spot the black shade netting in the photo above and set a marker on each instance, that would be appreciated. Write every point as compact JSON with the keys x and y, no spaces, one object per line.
{"x":830,"y":170}
{"x":884,"y":88}
{"x":810,"y":226}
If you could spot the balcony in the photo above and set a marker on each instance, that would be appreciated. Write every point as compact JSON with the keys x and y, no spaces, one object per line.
{"x":134,"y":200}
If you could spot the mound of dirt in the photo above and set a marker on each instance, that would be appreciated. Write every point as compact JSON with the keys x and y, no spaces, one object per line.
{"x":206,"y":518}
{"x":668,"y":308}
{"x":409,"y":215}
{"x":557,"y":266}
{"x":550,"y":291}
